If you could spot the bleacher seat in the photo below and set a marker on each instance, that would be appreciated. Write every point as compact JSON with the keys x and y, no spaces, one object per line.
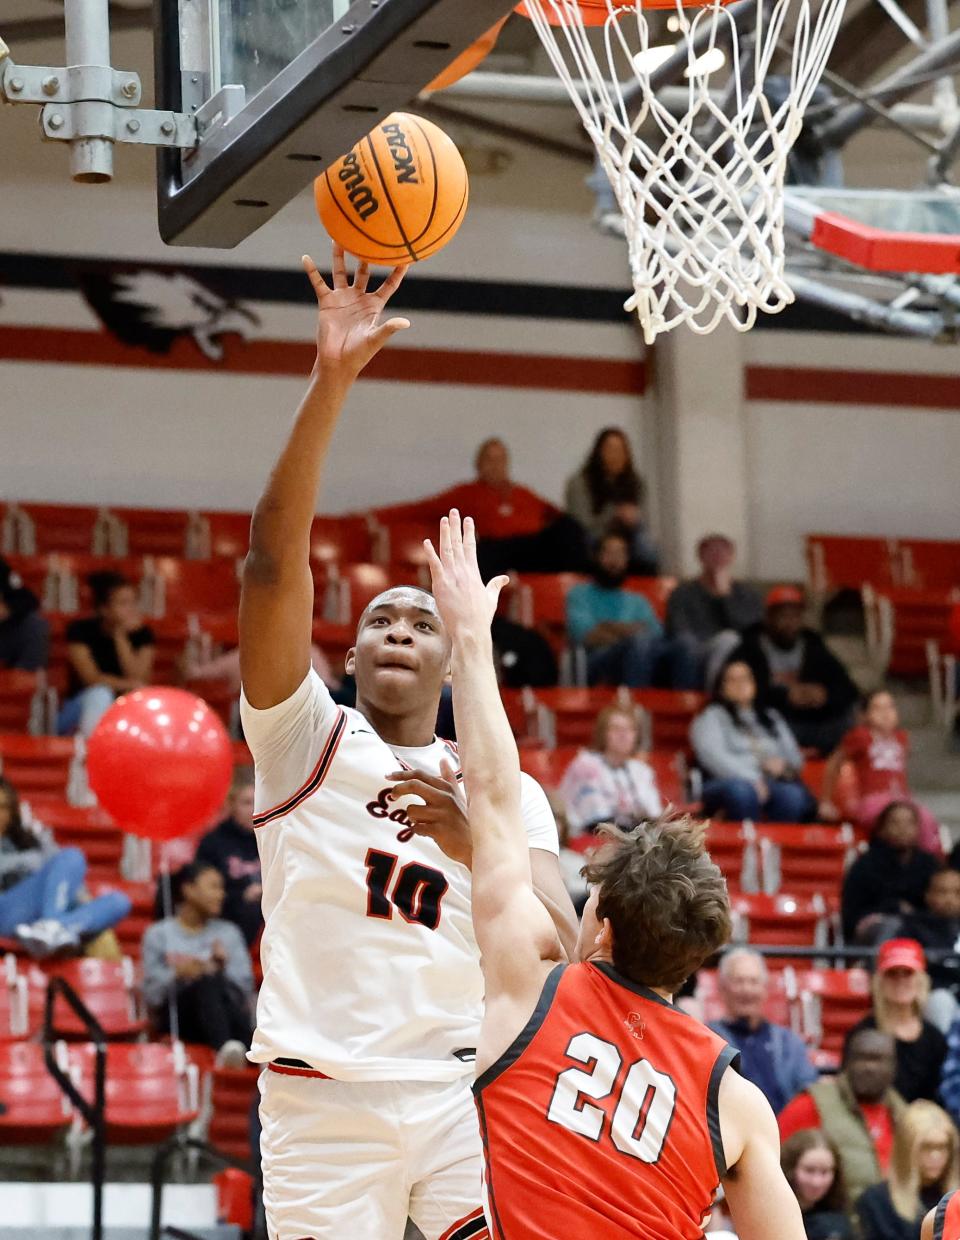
{"x":142,"y":897}
{"x":334,"y":640}
{"x":36,"y":1112}
{"x":671,"y":712}
{"x":804,"y":860}
{"x":81,"y":826}
{"x":14,"y":1005}
{"x":902,"y":624}
{"x":170,"y":640}
{"x":929,"y":564}
{"x":341,"y":540}
{"x":782,"y":1006}
{"x":351,"y":588}
{"x":222,"y":534}
{"x":74,"y":568}
{"x":547,"y":766}
{"x":732,"y":845}
{"x":179,"y":587}
{"x":37,"y":575}
{"x":781,"y":920}
{"x":61,"y":527}
{"x":400,"y":543}
{"x":150,"y":531}
{"x":231,"y":1098}
{"x":105,"y":987}
{"x":850,"y":561}
{"x":846,"y":793}
{"x":37,"y":764}
{"x":152,"y":1089}
{"x":219,"y":695}
{"x":566,"y":716}
{"x":832,"y":1002}
{"x":22,"y":700}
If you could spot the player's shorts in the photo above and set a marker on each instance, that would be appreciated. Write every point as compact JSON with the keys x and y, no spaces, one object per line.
{"x":350,"y":1160}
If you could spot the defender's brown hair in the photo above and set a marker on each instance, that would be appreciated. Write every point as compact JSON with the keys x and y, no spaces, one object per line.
{"x":666,"y":900}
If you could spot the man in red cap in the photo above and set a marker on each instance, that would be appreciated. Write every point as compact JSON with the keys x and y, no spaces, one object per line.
{"x":796,"y":674}
{"x":900,"y":992}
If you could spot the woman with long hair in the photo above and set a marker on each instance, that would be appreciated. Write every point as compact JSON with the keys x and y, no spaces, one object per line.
{"x":41,"y":888}
{"x":748,"y":755}
{"x":901,"y":988}
{"x":811,"y":1163}
{"x":925,"y":1165}
{"x":607,"y":493}
{"x":610,"y":782}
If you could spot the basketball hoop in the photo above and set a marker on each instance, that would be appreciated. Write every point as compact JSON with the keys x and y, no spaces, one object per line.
{"x":701,"y":195}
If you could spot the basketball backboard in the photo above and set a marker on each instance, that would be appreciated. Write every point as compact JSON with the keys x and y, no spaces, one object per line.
{"x":282,"y":88}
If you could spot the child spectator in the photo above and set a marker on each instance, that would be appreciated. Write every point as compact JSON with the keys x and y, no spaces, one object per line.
{"x":924,"y":1166}
{"x":231,"y":847}
{"x":901,"y":987}
{"x":110,"y":653}
{"x":936,"y":927}
{"x":889,"y":880}
{"x":878,"y":749}
{"x":812,"y":1166}
{"x":610,"y":782}
{"x":199,"y":963}
{"x":24,"y":633}
{"x":607,"y":493}
{"x":41,"y":888}
{"x":748,"y":755}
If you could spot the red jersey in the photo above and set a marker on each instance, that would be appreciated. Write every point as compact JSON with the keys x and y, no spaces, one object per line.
{"x":880,"y":761}
{"x":946,"y":1221}
{"x":600,"y":1121}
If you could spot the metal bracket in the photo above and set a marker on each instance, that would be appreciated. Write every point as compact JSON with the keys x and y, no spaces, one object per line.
{"x":97,"y":119}
{"x":76,"y":84}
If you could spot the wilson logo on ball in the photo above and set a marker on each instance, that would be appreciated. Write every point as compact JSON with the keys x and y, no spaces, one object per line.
{"x":403,"y":161}
{"x":361,"y":196}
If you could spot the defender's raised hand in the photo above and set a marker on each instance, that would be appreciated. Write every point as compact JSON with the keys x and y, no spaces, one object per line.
{"x":349,"y":331}
{"x":466,"y":605}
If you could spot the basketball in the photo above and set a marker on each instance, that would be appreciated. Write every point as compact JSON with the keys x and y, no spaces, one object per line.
{"x":399,"y":196}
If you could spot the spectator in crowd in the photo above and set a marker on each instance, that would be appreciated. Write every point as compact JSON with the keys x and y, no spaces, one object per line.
{"x":924,"y":1166}
{"x":950,"y":1074}
{"x":811,"y":1163}
{"x":877,"y":747}
{"x":771,"y":1056}
{"x":901,"y":987}
{"x":796,"y":674}
{"x":607,"y":493}
{"x":936,"y":927}
{"x":610,"y":782}
{"x":748,"y":755}
{"x":624,"y":639}
{"x":198,"y":964}
{"x":709,"y":612}
{"x":519,"y":530}
{"x":231,"y":848}
{"x":889,"y":880}
{"x":110,"y":653}
{"x":24,"y":632}
{"x":42,"y":901}
{"x":858,"y":1109}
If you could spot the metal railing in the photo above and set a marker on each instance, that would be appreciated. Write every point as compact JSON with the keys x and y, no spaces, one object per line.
{"x":177,"y":1145}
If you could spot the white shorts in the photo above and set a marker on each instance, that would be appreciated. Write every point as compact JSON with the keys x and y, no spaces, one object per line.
{"x":351,"y":1160}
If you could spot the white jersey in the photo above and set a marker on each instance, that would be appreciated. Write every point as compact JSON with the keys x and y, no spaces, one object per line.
{"x":371,"y":970}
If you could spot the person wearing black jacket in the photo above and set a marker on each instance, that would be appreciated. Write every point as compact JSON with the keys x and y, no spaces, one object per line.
{"x":796,"y":674}
{"x":231,"y":848}
{"x":24,"y":633}
{"x":889,"y":880}
{"x":936,"y":927}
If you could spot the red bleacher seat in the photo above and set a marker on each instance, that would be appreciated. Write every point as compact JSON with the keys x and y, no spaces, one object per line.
{"x":142,"y":897}
{"x":21,"y":700}
{"x":400,"y":543}
{"x":343,"y":540}
{"x":232,"y":1094}
{"x":36,"y":1110}
{"x":846,"y":793}
{"x":334,"y":640}
{"x":181,"y":587}
{"x":14,"y":1006}
{"x":542,"y":603}
{"x":929,"y":564}
{"x":837,"y":561}
{"x":75,"y":568}
{"x":354,"y":585}
{"x":732,"y":846}
{"x":572,"y":713}
{"x":655,"y":589}
{"x":219,"y":695}
{"x":671,"y":712}
{"x":104,"y":986}
{"x":84,"y":827}
{"x":670,"y":771}
{"x":170,"y":634}
{"x":150,"y":531}
{"x":151,"y":1089}
{"x":37,"y":575}
{"x":833,"y":1001}
{"x":782,"y":1006}
{"x":782,"y":920}
{"x":37,"y":764}
{"x":224,"y":534}
{"x":804,"y":860}
{"x":908,"y":621}
{"x":547,"y":766}
{"x":62,"y":527}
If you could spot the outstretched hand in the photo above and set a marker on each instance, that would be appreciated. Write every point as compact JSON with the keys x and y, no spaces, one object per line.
{"x":465,"y":604}
{"x":349,"y":331}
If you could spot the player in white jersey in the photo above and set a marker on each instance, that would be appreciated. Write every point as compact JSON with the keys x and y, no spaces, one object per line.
{"x":370,"y":1005}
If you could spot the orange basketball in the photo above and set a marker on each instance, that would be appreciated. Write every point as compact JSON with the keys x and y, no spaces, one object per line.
{"x":399,"y":196}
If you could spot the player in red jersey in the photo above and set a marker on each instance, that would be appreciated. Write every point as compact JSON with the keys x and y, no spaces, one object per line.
{"x":943,"y":1222}
{"x":605,"y":1112}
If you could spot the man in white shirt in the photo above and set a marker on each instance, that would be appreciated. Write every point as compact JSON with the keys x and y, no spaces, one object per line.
{"x":371,"y":1001}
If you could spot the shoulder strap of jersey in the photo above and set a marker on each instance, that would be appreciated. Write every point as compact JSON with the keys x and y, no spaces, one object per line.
{"x":940,"y":1231}
{"x":526,"y":1034}
{"x":729,"y":1057}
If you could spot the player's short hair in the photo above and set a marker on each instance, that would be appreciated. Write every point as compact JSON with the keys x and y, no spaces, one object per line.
{"x":666,"y":900}
{"x":243,"y":777}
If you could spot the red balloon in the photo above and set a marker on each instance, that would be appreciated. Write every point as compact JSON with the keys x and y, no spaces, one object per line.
{"x":160,"y":762}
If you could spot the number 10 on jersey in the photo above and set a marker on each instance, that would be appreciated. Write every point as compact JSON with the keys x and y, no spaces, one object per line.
{"x":416,"y":894}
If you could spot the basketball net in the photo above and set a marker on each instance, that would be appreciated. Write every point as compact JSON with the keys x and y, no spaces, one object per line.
{"x":701,"y":194}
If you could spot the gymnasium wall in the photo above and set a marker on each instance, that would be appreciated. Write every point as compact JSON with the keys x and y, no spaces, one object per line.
{"x":520,"y":321}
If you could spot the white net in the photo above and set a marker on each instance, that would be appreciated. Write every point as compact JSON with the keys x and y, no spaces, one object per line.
{"x":700,"y":192}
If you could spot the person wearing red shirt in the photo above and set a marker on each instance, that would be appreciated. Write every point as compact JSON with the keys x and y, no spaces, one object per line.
{"x":877,"y":749}
{"x":858,"y":1109}
{"x":943,"y":1221}
{"x":521,"y":531}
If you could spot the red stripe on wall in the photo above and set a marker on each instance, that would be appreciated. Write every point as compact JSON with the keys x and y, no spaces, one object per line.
{"x":294,"y":357}
{"x":852,"y":387}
